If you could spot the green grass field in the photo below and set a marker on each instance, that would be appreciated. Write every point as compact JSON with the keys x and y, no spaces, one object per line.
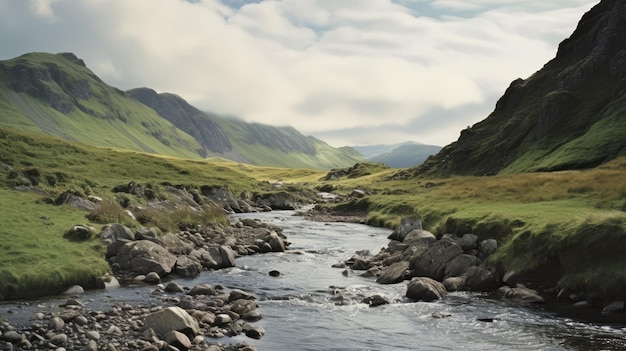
{"x":577,"y":215}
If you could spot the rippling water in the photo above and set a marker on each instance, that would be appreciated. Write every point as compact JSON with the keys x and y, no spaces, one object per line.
{"x":312,"y":306}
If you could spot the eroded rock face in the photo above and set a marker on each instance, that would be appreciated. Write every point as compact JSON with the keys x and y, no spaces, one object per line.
{"x":433,"y":262}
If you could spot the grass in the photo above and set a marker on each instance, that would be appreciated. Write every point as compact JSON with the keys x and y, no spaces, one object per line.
{"x":36,"y":259}
{"x":577,"y":215}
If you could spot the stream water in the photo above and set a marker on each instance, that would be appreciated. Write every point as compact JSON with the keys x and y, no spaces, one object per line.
{"x":312,"y":306}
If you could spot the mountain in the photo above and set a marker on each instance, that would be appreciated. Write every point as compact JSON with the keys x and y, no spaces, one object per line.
{"x":56,"y":94}
{"x":569,"y":115}
{"x":402,"y":155}
{"x":247,"y":142}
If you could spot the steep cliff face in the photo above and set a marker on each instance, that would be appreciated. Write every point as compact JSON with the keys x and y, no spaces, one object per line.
{"x":187,"y":118}
{"x":569,"y":115}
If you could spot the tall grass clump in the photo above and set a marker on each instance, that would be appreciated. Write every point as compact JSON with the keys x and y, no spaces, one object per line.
{"x":181,"y":218}
{"x":110,"y":212}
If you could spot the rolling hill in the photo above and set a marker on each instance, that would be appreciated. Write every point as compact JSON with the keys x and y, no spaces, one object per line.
{"x":56,"y":94}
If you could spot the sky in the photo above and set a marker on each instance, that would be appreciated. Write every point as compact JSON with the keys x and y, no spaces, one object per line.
{"x":349,"y":72}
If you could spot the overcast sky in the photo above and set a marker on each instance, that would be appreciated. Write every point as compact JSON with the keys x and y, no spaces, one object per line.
{"x":350,"y":72}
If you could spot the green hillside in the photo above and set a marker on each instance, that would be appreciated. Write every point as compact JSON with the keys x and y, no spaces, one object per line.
{"x":568,"y":115}
{"x":58,"y":95}
{"x":253,"y":143}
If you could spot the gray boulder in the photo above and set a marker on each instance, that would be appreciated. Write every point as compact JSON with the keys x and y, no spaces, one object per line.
{"x":521,"y":293}
{"x":419,"y":237}
{"x":480,"y":279}
{"x":454,"y":283}
{"x":459,"y":265}
{"x":486,"y":248}
{"x":115,"y":236}
{"x":407,"y":224}
{"x":175,"y":244}
{"x":425,"y":289}
{"x":432,"y":263}
{"x":468,"y":242}
{"x":143,"y":257}
{"x":187,"y":266}
{"x":394,"y":273}
{"x":276,"y":242}
{"x":172,"y":319}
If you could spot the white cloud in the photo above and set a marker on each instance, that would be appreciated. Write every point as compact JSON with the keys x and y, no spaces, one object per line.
{"x":354,"y":71}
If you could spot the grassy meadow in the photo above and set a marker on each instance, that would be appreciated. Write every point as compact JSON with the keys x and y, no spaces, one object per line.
{"x":577,"y":215}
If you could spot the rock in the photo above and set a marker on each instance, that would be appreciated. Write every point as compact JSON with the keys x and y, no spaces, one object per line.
{"x":175,"y":245}
{"x":252,"y":316}
{"x":187,"y":266}
{"x":215,"y":257}
{"x":80,"y":233}
{"x":274,"y":273}
{"x":480,"y":279}
{"x":72,"y":302}
{"x":487,"y":247}
{"x":92,"y":345}
{"x":59,"y":339}
{"x":202,"y":289}
{"x":614,"y":307}
{"x":357,"y":193}
{"x":407,"y":224}
{"x":172,"y":319}
{"x":276,"y":242}
{"x":425,"y":289}
{"x":361,"y":264}
{"x":395,"y":246}
{"x":237,"y":294}
{"x":107,"y":282}
{"x":468,"y":242}
{"x":454,"y":283}
{"x":375,"y":300}
{"x":174,"y":288}
{"x":178,"y":340}
{"x":204,"y":317}
{"x":74,"y":290}
{"x":243,"y":306}
{"x":143,"y":257}
{"x":222,"y":319}
{"x":521,"y":293}
{"x":419,"y":237}
{"x":56,"y":323}
{"x":432,"y":263}
{"x":255,"y":332}
{"x":115,"y":236}
{"x":440,"y":315}
{"x":394,"y":274}
{"x":92,"y":335}
{"x":152,"y":278}
{"x":459,"y":265}
{"x":80,"y":320}
{"x":11,"y":336}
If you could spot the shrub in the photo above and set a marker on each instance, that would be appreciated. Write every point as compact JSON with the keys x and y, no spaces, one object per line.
{"x":109,"y":212}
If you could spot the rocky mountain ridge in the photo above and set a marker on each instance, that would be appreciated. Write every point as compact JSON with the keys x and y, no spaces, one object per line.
{"x":568,"y":115}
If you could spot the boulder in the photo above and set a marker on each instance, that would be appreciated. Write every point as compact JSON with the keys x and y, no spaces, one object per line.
{"x":432,"y":263}
{"x":243,"y":306}
{"x":486,"y":248}
{"x":178,"y":340}
{"x":407,"y":224}
{"x":459,"y":265}
{"x":187,"y":266}
{"x":375,"y":300}
{"x":152,"y":278}
{"x":202,"y":289}
{"x":172,"y":319}
{"x":143,"y":257}
{"x":468,"y":242}
{"x":479,"y":279}
{"x":454,"y":283}
{"x":425,"y":289}
{"x":521,"y":293}
{"x":115,"y":236}
{"x":175,"y":244}
{"x":419,"y":237}
{"x":394,"y":273}
{"x":80,"y":233}
{"x":276,"y":242}
{"x":216,"y":257}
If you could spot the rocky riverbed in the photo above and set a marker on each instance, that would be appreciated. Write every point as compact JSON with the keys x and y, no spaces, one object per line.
{"x":177,"y":317}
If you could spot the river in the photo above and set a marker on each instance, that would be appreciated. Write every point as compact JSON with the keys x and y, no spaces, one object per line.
{"x":312,"y":306}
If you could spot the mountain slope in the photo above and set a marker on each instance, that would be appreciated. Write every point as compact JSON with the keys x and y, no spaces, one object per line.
{"x":568,"y":115}
{"x":58,"y":95}
{"x":240,"y":141}
{"x":402,"y":155}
